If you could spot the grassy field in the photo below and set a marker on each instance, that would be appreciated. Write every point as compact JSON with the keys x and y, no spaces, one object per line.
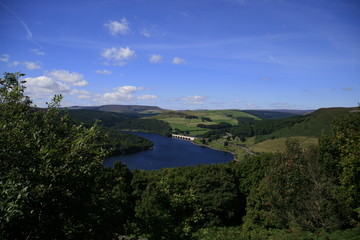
{"x":233,"y":147}
{"x":178,"y":119}
{"x":278,"y":144}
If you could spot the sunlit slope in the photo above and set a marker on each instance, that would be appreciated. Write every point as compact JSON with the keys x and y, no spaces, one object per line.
{"x":279,"y":144}
{"x":311,"y":125}
{"x":188,"y":120}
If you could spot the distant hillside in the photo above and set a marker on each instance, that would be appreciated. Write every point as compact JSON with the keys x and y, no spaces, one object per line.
{"x":123,"y":109}
{"x":188,"y":122}
{"x":312,"y":125}
{"x":274,"y":114}
{"x":89,"y":116}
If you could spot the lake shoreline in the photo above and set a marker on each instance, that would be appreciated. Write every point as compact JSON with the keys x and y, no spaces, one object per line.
{"x":171,"y":152}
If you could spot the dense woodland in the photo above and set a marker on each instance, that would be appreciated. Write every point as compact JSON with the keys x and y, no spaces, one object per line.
{"x":146,"y":125}
{"x":53,"y":185}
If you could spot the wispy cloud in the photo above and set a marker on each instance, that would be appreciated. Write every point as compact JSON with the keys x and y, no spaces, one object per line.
{"x":4,"y":58}
{"x":32,"y":65}
{"x":177,"y":60}
{"x":147,"y":97}
{"x":28,"y":65}
{"x":155,"y":58}
{"x":105,"y":72}
{"x":145,"y":32}
{"x":117,"y":56}
{"x":194,"y":100}
{"x":118,"y":27}
{"x":37,"y":51}
{"x":28,"y":32}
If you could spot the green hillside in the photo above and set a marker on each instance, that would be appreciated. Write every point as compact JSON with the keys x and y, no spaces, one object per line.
{"x":311,"y":125}
{"x":274,"y":114}
{"x":138,"y":109}
{"x":187,"y":121}
{"x":88,"y":116}
{"x":279,"y":144}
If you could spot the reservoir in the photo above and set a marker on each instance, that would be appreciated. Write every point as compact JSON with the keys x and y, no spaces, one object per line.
{"x":168,"y":153}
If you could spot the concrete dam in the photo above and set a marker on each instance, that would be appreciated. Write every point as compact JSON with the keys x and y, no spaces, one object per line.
{"x":183,"y":137}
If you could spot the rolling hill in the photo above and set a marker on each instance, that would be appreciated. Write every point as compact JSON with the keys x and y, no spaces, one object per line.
{"x":187,"y":121}
{"x":274,"y":114}
{"x":139,"y":109}
{"x":310,"y":125}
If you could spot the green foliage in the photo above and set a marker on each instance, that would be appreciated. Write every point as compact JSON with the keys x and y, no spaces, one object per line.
{"x":206,"y":119}
{"x":341,"y":151}
{"x":173,"y":203}
{"x":124,"y":143}
{"x":271,"y":114}
{"x":89,"y":117}
{"x":147,"y":125}
{"x":48,"y":169}
{"x":237,"y":233}
{"x":216,"y":126}
{"x":219,"y":233}
{"x":296,"y":191}
{"x":114,"y":201}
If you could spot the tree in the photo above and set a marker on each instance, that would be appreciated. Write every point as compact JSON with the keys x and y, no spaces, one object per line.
{"x":340,"y":151}
{"x":296,"y":191}
{"x":48,"y":169}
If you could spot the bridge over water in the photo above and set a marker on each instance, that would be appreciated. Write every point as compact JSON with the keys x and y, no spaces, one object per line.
{"x":183,"y":137}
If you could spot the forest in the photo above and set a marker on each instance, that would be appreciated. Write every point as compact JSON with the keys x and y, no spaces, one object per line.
{"x":53,"y":184}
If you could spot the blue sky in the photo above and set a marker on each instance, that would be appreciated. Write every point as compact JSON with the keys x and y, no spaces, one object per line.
{"x":203,"y":54}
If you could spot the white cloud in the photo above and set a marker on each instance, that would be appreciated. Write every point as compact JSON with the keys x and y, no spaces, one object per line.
{"x":82,"y":94}
{"x":251,"y":105}
{"x":81,"y":83}
{"x":44,"y":86}
{"x":28,"y":65}
{"x":5,"y":58}
{"x":147,"y":97}
{"x":177,"y":60}
{"x":31,"y":65}
{"x":73,"y":78}
{"x":57,"y":82}
{"x":145,"y":32}
{"x":117,"y":56}
{"x":194,"y":100}
{"x":105,"y":72}
{"x":119,"y":94}
{"x":37,"y":51}
{"x":116,"y":27}
{"x":155,"y":58}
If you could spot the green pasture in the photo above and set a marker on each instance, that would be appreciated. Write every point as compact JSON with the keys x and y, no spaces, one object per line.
{"x":178,"y":119}
{"x":219,"y":144}
{"x":278,"y":144}
{"x":224,"y":115}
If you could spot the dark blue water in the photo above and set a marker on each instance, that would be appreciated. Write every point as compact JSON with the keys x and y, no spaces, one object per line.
{"x":170,"y":152}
